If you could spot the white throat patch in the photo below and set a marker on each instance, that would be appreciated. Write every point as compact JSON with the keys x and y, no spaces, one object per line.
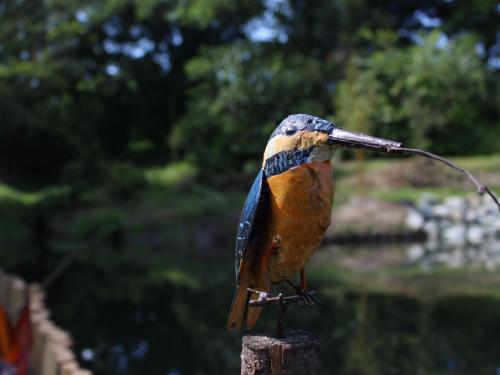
{"x":321,"y":153}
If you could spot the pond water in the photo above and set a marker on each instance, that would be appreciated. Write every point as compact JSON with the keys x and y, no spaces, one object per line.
{"x":382,"y":313}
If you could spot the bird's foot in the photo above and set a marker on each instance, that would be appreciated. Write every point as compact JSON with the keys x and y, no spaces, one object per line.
{"x":307,"y":297}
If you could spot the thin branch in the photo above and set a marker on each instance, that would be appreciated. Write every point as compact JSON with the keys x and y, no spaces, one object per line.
{"x":493,"y":196}
{"x":60,"y":268}
{"x":275,"y":300}
{"x":481,"y":188}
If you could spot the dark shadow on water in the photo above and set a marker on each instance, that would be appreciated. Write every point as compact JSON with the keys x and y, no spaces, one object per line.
{"x":174,"y":323}
{"x":135,"y":307}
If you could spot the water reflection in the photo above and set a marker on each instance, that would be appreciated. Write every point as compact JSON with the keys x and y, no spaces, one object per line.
{"x":174,"y":322}
{"x":435,"y":255}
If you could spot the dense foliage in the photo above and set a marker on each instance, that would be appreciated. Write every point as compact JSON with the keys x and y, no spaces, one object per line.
{"x":86,"y":82}
{"x":112,"y":111}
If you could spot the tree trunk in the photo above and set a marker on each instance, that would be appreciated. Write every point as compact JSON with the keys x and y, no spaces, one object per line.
{"x":294,"y":354}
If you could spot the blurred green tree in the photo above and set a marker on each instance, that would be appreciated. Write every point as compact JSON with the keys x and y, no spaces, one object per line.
{"x":434,"y":94}
{"x":158,"y":80}
{"x":241,"y":93}
{"x":87,"y":80}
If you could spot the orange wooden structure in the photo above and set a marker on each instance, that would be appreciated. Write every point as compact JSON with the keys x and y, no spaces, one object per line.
{"x":29,"y":341}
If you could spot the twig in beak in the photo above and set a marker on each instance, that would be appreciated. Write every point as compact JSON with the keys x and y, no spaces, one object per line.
{"x":481,"y":189}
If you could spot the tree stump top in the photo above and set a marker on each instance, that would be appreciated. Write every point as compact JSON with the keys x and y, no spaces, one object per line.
{"x":293,"y":354}
{"x":293,"y":338}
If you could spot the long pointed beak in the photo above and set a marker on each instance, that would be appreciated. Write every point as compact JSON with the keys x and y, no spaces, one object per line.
{"x":344,"y":138}
{"x":359,"y":140}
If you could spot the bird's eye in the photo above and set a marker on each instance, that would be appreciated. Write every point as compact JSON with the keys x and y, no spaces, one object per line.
{"x":290,"y":131}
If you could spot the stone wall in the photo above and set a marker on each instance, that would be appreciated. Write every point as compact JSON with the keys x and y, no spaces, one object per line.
{"x":461,"y":231}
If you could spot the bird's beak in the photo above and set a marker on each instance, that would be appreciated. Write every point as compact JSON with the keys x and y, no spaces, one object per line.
{"x":344,"y":138}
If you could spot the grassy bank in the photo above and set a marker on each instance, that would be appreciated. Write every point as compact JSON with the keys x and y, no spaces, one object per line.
{"x":407,"y":179}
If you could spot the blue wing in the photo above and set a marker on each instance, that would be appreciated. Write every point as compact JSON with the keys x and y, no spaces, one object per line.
{"x":246,"y":225}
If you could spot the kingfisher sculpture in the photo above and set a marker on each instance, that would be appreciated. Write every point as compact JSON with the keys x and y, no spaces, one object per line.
{"x":288,"y":209}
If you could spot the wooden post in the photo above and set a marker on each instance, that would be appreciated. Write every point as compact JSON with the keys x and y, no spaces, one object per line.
{"x":296,"y":353}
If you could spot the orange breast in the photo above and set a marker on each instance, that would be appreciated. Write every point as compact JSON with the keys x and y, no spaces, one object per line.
{"x":300,"y":212}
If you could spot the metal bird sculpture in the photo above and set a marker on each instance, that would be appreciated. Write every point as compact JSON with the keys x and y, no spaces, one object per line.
{"x":288,"y":209}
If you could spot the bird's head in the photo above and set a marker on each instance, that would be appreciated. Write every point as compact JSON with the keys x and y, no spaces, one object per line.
{"x":302,"y":138}
{"x":322,"y":137}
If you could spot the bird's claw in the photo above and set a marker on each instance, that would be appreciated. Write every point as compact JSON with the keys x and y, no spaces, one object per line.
{"x":308,"y":298}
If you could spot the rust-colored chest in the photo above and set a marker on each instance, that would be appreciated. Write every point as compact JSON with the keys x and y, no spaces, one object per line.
{"x":299,"y":213}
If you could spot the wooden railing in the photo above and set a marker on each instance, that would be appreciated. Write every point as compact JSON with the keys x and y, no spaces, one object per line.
{"x":51,"y":352}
